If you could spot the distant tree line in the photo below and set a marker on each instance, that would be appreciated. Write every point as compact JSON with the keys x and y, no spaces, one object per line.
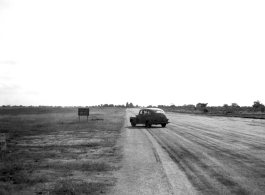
{"x":127,"y":105}
{"x":41,"y":106}
{"x":199,"y":107}
{"x":21,"y":106}
{"x":225,"y":109}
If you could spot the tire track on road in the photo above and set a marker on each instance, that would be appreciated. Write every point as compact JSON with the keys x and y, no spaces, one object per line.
{"x":227,"y":160}
{"x":178,"y":156}
{"x":225,"y":151}
{"x":180,"y":184}
{"x":205,"y":178}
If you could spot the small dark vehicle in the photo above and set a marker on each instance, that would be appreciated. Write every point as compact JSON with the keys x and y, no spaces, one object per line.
{"x":149,"y":117}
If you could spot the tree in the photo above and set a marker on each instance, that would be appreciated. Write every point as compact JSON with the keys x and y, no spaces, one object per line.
{"x":172,"y":105}
{"x":131,"y":105}
{"x":235,"y":105}
{"x":258,"y":106}
{"x":190,"y":106}
{"x":225,"y":106}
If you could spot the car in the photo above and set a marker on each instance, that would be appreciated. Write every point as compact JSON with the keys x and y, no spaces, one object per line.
{"x":149,"y":117}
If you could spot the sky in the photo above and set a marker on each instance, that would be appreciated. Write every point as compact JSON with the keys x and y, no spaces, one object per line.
{"x":85,"y":52}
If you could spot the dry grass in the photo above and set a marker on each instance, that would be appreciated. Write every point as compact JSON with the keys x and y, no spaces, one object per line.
{"x":80,"y":166}
{"x":47,"y":144}
{"x":77,"y":187}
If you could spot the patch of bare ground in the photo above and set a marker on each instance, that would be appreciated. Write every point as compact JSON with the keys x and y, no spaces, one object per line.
{"x":50,"y":152}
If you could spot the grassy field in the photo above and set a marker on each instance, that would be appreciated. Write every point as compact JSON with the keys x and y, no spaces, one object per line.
{"x":50,"y":152}
{"x":240,"y":115}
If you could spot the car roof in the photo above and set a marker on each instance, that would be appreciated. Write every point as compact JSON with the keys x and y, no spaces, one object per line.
{"x":151,"y":109}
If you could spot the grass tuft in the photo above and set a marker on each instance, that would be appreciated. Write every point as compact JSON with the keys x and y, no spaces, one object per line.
{"x":77,"y":187}
{"x":81,"y":166}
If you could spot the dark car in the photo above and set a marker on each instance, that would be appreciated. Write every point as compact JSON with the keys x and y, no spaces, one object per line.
{"x":149,"y":117}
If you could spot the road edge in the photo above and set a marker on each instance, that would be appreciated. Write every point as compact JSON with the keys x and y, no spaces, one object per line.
{"x":178,"y":181}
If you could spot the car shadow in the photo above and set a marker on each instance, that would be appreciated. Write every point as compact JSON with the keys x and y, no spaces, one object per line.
{"x":137,"y":127}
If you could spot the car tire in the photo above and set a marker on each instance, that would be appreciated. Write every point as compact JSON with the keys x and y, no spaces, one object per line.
{"x":133,"y":124}
{"x":148,"y":124}
{"x":163,"y":125}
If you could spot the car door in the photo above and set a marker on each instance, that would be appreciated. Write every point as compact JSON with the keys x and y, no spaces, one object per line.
{"x":140,"y":117}
{"x":143,"y":118}
{"x":149,"y":116}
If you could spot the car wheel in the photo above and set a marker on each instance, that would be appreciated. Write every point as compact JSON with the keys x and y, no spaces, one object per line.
{"x":148,"y":124}
{"x":133,"y":124}
{"x":163,"y":125}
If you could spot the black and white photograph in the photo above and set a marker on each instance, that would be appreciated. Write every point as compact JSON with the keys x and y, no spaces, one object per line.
{"x":140,"y":97}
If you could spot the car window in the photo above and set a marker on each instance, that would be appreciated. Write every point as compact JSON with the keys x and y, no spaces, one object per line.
{"x":160,"y":111}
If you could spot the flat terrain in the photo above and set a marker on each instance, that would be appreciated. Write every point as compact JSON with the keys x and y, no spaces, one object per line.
{"x":218,"y":155}
{"x":50,"y":152}
{"x":257,"y":115}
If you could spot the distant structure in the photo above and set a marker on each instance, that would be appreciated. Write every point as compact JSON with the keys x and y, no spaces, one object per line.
{"x":202,"y":107}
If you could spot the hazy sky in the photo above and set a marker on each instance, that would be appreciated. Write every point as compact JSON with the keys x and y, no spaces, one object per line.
{"x":59,"y":52}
